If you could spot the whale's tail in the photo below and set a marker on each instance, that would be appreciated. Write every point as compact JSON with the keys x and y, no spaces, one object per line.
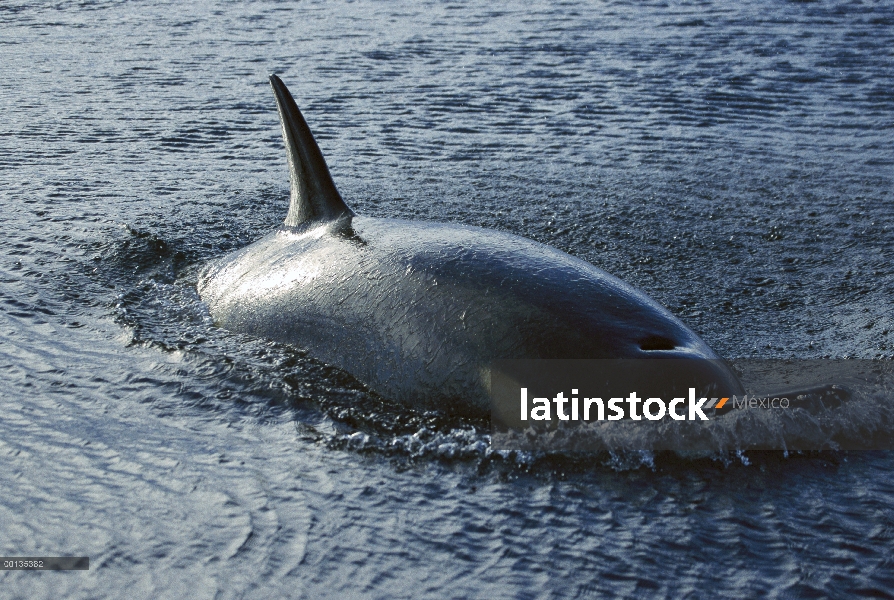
{"x":314,"y":196}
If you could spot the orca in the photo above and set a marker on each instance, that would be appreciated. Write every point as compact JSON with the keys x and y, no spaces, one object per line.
{"x":419,"y":311}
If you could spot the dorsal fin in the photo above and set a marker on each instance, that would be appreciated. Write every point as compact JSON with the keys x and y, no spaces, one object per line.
{"x":314,"y":197}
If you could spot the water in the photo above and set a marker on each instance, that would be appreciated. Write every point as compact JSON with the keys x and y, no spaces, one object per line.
{"x":734,"y":161}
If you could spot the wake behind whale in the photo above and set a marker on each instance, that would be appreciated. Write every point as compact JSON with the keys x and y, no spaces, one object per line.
{"x":420,"y":311}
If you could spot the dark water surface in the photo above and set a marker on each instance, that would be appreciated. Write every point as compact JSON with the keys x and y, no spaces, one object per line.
{"x":733,"y":160}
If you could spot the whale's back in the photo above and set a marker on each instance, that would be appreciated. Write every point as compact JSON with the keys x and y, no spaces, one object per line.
{"x":419,"y":311}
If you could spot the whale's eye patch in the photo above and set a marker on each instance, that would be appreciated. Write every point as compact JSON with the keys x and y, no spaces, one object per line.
{"x":656,"y":342}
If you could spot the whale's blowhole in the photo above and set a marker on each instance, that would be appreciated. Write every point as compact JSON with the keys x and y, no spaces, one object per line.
{"x":657,"y":342}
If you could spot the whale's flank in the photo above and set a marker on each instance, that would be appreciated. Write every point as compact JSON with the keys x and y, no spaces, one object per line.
{"x":314,"y":195}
